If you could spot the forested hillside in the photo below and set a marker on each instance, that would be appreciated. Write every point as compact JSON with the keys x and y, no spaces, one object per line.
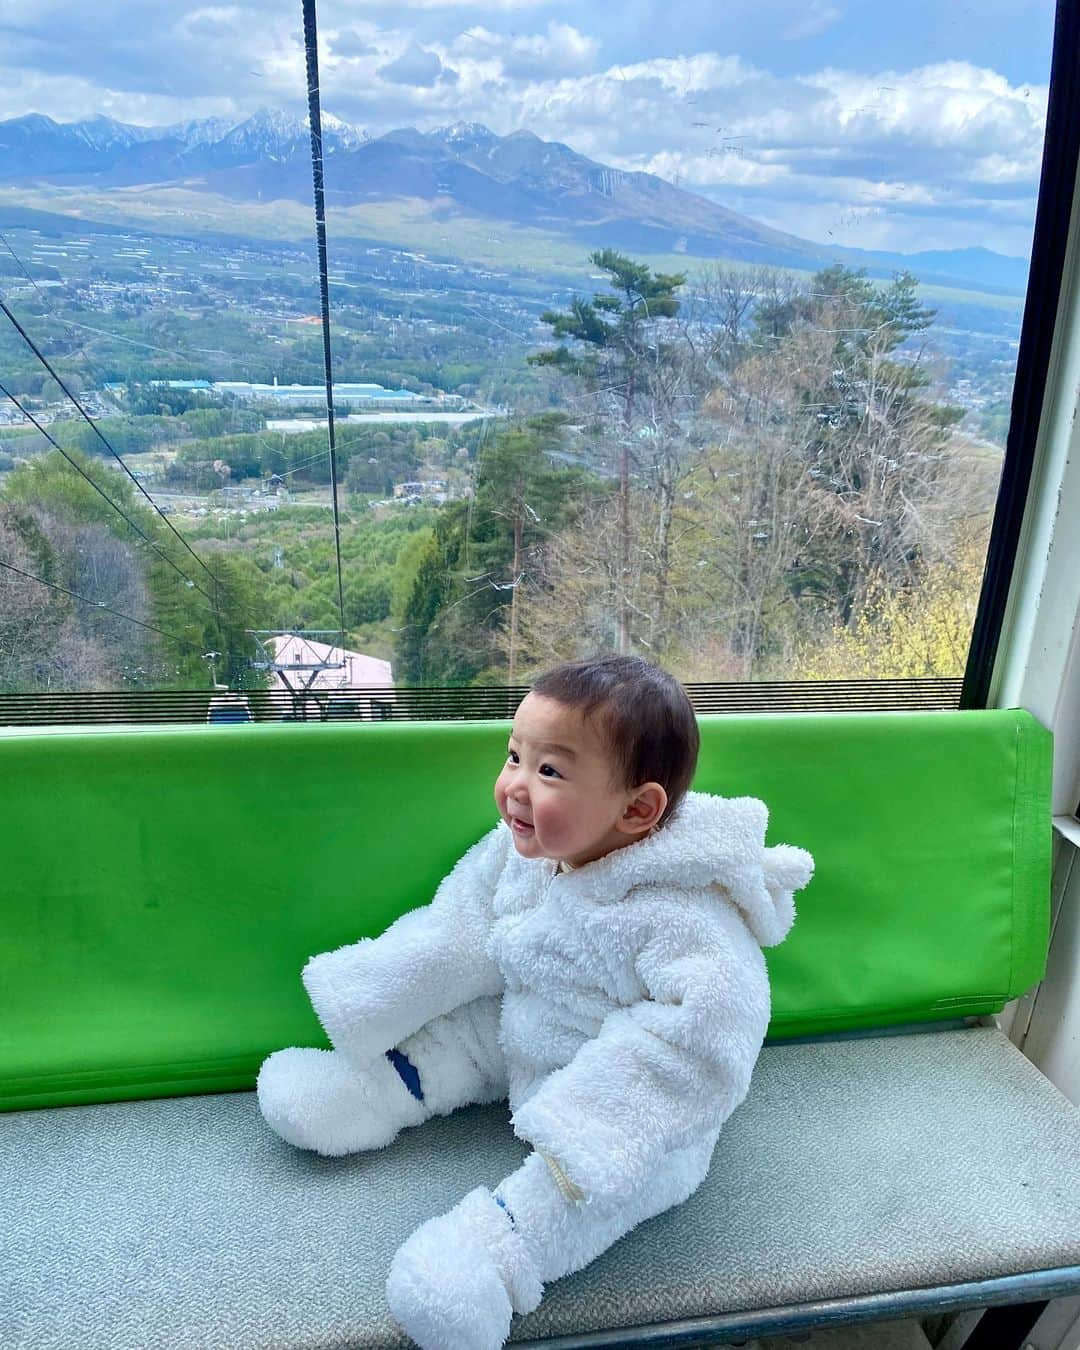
{"x":755,"y":476}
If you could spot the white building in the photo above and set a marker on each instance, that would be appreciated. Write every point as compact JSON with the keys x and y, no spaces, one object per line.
{"x":306,"y":395}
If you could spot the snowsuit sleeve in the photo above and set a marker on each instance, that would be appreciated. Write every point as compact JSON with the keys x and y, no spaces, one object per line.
{"x":663,"y":1071}
{"x":372,"y":994}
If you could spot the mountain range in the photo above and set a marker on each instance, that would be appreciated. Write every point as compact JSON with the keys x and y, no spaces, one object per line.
{"x":464,"y":169}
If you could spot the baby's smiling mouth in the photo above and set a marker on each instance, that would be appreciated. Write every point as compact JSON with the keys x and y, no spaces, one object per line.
{"x":521,"y":825}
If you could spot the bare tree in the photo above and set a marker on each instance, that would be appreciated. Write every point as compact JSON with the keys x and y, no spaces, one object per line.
{"x":50,"y":640}
{"x":765,"y":509}
{"x":840,"y":477}
{"x":105,"y":569}
{"x":29,"y":612}
{"x":729,"y":305}
{"x":571,"y":606}
{"x":780,"y":461}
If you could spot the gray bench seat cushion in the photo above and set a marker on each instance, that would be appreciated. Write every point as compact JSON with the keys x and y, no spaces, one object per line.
{"x":855,"y":1166}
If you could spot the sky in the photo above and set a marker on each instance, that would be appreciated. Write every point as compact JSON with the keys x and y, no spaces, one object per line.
{"x":905,"y":126}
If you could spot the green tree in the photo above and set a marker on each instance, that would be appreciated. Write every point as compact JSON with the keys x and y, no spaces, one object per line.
{"x":152,"y":577}
{"x":617,"y":353}
{"x":468,"y":574}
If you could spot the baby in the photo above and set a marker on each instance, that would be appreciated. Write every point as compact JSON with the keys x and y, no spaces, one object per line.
{"x":597,"y":959}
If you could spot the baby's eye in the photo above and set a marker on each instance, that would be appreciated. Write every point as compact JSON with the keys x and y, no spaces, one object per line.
{"x":549,"y":771}
{"x":512,"y":757}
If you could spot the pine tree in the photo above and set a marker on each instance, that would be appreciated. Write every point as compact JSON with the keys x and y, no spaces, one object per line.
{"x":616,"y":341}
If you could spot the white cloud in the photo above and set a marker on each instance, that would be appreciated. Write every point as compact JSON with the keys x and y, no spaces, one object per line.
{"x":940,"y":152}
{"x":212,"y":20}
{"x":687,"y":75}
{"x":67,"y":98}
{"x":949,"y":140}
{"x":715,"y":170}
{"x":814,"y":19}
{"x":946,"y":142}
{"x":416,"y":65}
{"x":561,"y":50}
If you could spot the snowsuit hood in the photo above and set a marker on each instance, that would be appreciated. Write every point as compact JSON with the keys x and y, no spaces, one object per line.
{"x":709,"y":841}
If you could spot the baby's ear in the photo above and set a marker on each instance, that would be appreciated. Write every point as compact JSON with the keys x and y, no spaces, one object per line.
{"x":644,"y":809}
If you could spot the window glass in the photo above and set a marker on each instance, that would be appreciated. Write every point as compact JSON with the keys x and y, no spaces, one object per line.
{"x":681,"y":330}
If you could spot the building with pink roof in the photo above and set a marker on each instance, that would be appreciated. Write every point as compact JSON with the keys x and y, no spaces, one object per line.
{"x":297,"y":661}
{"x":345,"y":669}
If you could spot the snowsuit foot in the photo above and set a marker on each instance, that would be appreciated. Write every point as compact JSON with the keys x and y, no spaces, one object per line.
{"x":315,"y":1100}
{"x":456,"y":1283}
{"x":318,"y":1100}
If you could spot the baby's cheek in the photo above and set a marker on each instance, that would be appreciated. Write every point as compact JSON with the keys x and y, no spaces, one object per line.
{"x":553,"y":825}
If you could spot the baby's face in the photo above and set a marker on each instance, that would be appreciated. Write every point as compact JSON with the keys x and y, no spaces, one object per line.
{"x":557,"y":790}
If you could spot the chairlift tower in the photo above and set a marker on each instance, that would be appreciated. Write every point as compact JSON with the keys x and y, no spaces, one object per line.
{"x":304,"y":673}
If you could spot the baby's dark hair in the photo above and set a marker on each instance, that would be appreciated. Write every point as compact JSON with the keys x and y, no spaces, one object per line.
{"x":644,"y":714}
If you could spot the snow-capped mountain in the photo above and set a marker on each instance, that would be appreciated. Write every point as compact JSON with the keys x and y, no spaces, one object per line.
{"x":464,"y":169}
{"x":340,"y":135}
{"x":36,"y":147}
{"x":267,"y":135}
{"x":36,"y":143}
{"x":464,"y":134}
{"x":203,"y":131}
{"x":105,"y":133}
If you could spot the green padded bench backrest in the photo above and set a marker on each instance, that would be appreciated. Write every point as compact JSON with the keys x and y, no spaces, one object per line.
{"x":162,"y":889}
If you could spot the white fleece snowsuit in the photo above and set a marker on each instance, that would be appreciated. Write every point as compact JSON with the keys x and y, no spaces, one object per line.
{"x":620,"y":1006}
